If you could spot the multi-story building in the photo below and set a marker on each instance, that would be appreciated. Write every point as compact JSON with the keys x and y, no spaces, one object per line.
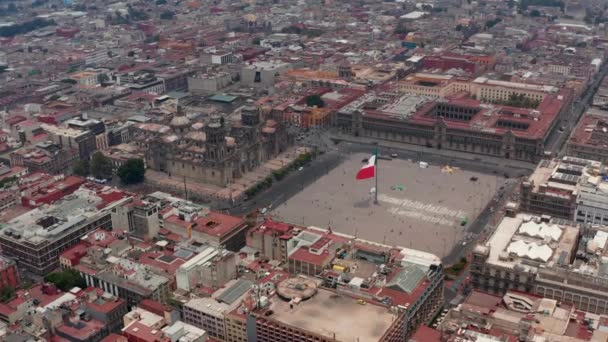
{"x":37,"y":238}
{"x":457,"y":123}
{"x":402,"y":288}
{"x":590,"y":139}
{"x":9,"y":275}
{"x":448,"y":60}
{"x":262,"y":74}
{"x":83,"y":141}
{"x":85,"y":78}
{"x":208,"y":83}
{"x":549,"y":259}
{"x":209,"y":313}
{"x":492,"y":90}
{"x":78,"y":315}
{"x":215,"y":154}
{"x":344,"y":262}
{"x":7,"y":199}
{"x":45,"y":157}
{"x":97,"y":127}
{"x":518,"y":316}
{"x":139,"y":218}
{"x":203,"y":225}
{"x":180,"y":331}
{"x":435,"y":85}
{"x":569,"y":188}
{"x":211,"y":268}
{"x":106,"y":308}
{"x":121,"y":277}
{"x":34,"y":194}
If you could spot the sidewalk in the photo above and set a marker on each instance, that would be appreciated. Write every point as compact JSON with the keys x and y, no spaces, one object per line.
{"x":234,"y":191}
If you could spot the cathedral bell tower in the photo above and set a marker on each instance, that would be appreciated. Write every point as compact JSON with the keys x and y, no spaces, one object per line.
{"x":216,"y":134}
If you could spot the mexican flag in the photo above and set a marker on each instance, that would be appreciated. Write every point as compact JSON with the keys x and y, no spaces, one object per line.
{"x":369,"y":169}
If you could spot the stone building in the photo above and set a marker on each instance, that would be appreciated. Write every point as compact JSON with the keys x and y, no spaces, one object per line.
{"x":218,"y":151}
{"x":456,"y":123}
{"x":548,"y":258}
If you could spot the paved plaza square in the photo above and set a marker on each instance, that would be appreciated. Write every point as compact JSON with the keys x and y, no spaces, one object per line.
{"x":422,"y":208}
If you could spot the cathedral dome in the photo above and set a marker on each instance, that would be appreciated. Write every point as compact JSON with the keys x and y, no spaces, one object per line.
{"x":179,"y":121}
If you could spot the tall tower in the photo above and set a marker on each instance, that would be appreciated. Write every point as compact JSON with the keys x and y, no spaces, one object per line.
{"x":216,"y":134}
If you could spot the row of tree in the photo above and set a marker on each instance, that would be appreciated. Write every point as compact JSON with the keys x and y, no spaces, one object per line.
{"x":131,"y":172}
{"x":518,"y":100}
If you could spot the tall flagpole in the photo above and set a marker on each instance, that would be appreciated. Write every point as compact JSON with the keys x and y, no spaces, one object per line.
{"x":376,"y":173}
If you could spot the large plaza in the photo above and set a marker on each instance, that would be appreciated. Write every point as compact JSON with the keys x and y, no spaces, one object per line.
{"x":424,"y":208}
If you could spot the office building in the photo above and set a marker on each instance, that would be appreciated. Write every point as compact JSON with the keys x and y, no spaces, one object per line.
{"x":569,"y":188}
{"x":37,"y":238}
{"x":548,"y":258}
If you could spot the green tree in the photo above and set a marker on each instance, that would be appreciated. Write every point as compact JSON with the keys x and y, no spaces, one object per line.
{"x":161,"y":2}
{"x":101,"y":166}
{"x":131,"y":53}
{"x":102,"y":78}
{"x":136,"y":14}
{"x":535,"y":13}
{"x":167,"y":15}
{"x":256,"y":41}
{"x":69,"y":81}
{"x":3,"y":68}
{"x":66,"y":280}
{"x":81,"y":168}
{"x":401,"y":28}
{"x":315,"y":100}
{"x":6,"y":294}
{"x":132,"y":171}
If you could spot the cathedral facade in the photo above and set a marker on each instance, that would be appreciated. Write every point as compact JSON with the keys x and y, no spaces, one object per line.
{"x":216,"y":152}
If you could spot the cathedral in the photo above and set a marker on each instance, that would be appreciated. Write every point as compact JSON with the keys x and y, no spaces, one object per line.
{"x":218,"y":151}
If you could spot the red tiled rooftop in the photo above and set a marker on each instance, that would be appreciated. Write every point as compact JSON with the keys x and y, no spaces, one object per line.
{"x":214,"y":223}
{"x":484,"y":300}
{"x":425,"y":334}
{"x":15,"y":120}
{"x":110,"y":197}
{"x":6,"y":310}
{"x":83,"y":331}
{"x":38,"y":292}
{"x":114,"y":338}
{"x":153,"y":306}
{"x":75,"y":252}
{"x":303,"y":255}
{"x":270,"y":226}
{"x":144,"y":333}
{"x":103,"y":305}
{"x":100,"y":237}
{"x":548,"y":108}
{"x":153,"y":259}
{"x":13,"y":171}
